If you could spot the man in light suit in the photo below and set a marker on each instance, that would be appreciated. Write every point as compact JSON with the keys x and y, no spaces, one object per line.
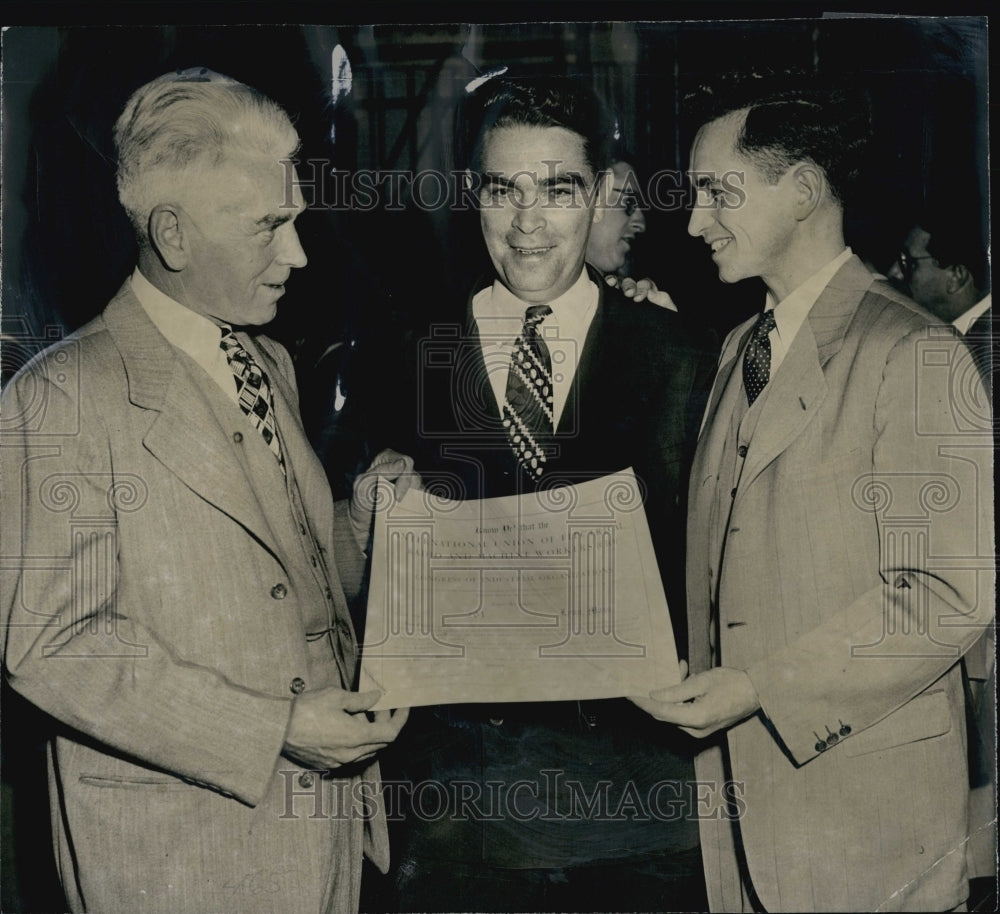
{"x":628,"y":387}
{"x":839,"y":544}
{"x":174,"y":566}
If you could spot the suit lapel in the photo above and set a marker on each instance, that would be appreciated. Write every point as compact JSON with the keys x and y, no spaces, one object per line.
{"x":186,"y":435}
{"x":799,"y":387}
{"x":726,"y":390}
{"x":484,"y":398}
{"x":300,"y":459}
{"x":796,"y":392}
{"x":587,"y":368}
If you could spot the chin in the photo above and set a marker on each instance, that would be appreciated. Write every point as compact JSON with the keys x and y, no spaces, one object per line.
{"x":263,"y":316}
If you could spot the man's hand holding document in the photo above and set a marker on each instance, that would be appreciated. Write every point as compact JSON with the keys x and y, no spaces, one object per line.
{"x":547,"y":596}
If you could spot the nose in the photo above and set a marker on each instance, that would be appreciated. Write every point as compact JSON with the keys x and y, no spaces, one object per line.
{"x":702,"y":216}
{"x":291,"y":253}
{"x":637,"y":222}
{"x":528,"y":215}
{"x":895,"y":272}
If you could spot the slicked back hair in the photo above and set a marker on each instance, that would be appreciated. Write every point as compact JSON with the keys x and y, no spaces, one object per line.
{"x":794,"y":118}
{"x":188,"y":120}
{"x":549,"y":101}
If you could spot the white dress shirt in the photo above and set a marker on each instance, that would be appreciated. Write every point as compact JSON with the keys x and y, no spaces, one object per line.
{"x":192,"y":333}
{"x":499,"y":315}
{"x":963,"y":323}
{"x":791,"y":312}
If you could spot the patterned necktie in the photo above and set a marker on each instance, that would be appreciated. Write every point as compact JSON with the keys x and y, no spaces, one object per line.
{"x":757,"y":358}
{"x":253,"y":391}
{"x":527,"y":406}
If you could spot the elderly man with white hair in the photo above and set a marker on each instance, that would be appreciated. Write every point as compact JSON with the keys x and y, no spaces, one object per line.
{"x":174,"y":590}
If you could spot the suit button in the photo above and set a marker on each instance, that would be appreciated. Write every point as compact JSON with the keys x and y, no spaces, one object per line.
{"x":329,"y":594}
{"x":306,"y":779}
{"x":279,"y":591}
{"x":238,"y":437}
{"x":820,"y":746}
{"x":742,"y":450}
{"x":302,"y":527}
{"x":297,"y":685}
{"x":832,"y":739}
{"x":732,"y":494}
{"x":845,"y":730}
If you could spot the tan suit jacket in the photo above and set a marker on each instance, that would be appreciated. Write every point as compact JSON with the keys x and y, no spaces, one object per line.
{"x":158,"y":602}
{"x":853,"y":570}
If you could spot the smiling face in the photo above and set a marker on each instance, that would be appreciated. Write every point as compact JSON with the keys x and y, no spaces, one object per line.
{"x":537,"y":207}
{"x":238,"y":222}
{"x":611,"y":238}
{"x":748,"y":221}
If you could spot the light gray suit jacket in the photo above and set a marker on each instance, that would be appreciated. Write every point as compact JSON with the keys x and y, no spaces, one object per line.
{"x":854,"y":570}
{"x":156,"y":601}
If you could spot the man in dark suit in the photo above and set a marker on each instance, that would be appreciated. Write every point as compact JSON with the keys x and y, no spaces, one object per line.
{"x":174,"y":574}
{"x":618,"y":386}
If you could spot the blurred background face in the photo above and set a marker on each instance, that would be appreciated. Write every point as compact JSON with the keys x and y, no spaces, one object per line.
{"x":611,"y":239}
{"x":919,"y":275}
{"x":537,"y":204}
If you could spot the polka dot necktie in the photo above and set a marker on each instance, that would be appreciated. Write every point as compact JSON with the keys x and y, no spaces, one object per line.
{"x":253,"y":391}
{"x":757,"y":358}
{"x":527,"y":406}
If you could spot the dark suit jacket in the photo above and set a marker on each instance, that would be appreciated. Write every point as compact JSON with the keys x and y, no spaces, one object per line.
{"x":980,"y":341}
{"x":636,"y":400}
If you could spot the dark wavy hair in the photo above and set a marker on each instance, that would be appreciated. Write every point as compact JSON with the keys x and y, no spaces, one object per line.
{"x":958,"y":234}
{"x":794,"y":117}
{"x":539,"y":101}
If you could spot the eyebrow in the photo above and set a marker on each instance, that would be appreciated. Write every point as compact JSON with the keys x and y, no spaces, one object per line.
{"x":273,"y":220}
{"x":575,"y":178}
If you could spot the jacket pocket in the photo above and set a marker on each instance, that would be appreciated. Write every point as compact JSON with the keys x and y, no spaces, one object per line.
{"x":152,"y":782}
{"x":923,"y":717}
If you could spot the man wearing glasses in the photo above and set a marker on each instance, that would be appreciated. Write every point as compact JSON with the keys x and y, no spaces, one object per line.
{"x":943,"y":266}
{"x":609,"y":248}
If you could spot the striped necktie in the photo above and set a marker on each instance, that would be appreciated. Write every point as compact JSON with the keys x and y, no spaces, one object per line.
{"x":253,"y":391}
{"x":527,"y":406}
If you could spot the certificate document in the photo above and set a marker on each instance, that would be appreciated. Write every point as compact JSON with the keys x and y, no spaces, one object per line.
{"x":547,"y":596}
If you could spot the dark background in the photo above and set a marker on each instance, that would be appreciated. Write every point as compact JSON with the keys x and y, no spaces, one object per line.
{"x":67,"y":245}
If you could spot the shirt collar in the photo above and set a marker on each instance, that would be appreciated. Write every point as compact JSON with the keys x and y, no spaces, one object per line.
{"x":189,"y":331}
{"x":571,"y":311}
{"x":790,"y":313}
{"x":963,"y":323}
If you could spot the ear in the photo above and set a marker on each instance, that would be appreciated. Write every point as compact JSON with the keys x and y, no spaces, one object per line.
{"x":602,"y":193}
{"x":166,"y":236}
{"x":810,"y":186}
{"x":958,"y":276}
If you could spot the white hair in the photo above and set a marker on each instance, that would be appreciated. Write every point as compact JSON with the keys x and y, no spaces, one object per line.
{"x":190,"y":119}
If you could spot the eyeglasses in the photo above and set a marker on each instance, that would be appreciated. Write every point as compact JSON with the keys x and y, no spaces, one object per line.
{"x":908,"y":261}
{"x":626,"y":200}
